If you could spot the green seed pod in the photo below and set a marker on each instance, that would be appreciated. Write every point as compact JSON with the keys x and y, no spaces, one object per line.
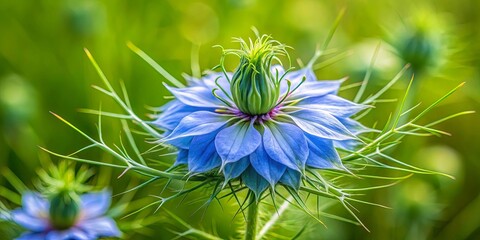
{"x":64,"y":210}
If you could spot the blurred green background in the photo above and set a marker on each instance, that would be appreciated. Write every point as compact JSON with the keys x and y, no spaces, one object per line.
{"x":43,"y":68}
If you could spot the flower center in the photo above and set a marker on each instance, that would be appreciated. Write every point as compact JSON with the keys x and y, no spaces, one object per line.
{"x":258,"y":118}
{"x":255,"y":90}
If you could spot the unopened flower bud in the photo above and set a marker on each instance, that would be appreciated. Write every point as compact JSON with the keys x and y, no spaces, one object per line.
{"x":64,"y":210}
{"x":255,"y":90}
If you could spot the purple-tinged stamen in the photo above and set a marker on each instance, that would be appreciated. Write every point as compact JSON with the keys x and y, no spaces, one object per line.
{"x":260,"y":119}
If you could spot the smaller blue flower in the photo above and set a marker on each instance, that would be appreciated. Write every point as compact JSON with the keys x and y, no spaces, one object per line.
{"x":89,"y":223}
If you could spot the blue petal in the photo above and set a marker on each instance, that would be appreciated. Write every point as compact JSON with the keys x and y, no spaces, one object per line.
{"x":316,"y":89}
{"x":322,"y":153}
{"x":34,"y":204}
{"x":31,"y":236}
{"x":321,"y":124}
{"x":235,"y":169}
{"x":297,"y":76}
{"x":255,"y":182}
{"x":291,"y":178}
{"x":277,"y":68}
{"x":209,"y":82}
{"x":100,"y":227}
{"x":333,"y":104}
{"x":269,"y":169}
{"x":237,"y":141}
{"x":182,"y":157}
{"x":197,"y":123}
{"x":33,"y":223}
{"x":349,"y":145}
{"x":95,"y":204}
{"x":197,"y":96}
{"x":77,"y":234}
{"x":68,"y":234}
{"x":354,"y":126}
{"x":56,"y":235}
{"x":171,"y":116}
{"x":202,"y":155}
{"x":180,"y":143}
{"x":286,"y":144}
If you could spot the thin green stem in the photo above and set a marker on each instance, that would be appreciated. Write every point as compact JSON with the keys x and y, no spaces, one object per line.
{"x":252,"y":216}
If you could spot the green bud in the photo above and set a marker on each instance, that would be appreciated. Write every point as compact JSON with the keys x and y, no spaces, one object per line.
{"x":64,"y":210}
{"x":255,"y":90}
{"x":419,"y":50}
{"x":422,"y":42}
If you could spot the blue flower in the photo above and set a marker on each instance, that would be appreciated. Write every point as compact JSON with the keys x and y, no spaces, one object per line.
{"x":90,"y":222}
{"x":262,"y":123}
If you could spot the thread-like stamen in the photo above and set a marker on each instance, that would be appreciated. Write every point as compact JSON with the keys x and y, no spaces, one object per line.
{"x":259,"y":119}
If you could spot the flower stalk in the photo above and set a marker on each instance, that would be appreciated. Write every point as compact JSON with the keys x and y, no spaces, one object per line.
{"x":252,"y":216}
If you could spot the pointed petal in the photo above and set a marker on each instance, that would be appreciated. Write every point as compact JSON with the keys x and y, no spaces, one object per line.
{"x":349,"y":145}
{"x":297,"y":76}
{"x":101,"y":227}
{"x":333,"y":104}
{"x":322,"y":153}
{"x":34,"y":204}
{"x":255,"y":182}
{"x":286,"y":144}
{"x":269,"y":169}
{"x":202,"y":155}
{"x":29,"y":222}
{"x":354,"y":126}
{"x":95,"y":204}
{"x":235,"y":169}
{"x":219,"y":77}
{"x":182,"y":157}
{"x":291,"y":178}
{"x":31,"y":236}
{"x":175,"y":111}
{"x":197,"y":123}
{"x":197,"y":96}
{"x":321,"y":124}
{"x":72,"y":233}
{"x":78,"y":234}
{"x":237,"y":141}
{"x":180,"y":143}
{"x":316,"y":89}
{"x":277,"y":68}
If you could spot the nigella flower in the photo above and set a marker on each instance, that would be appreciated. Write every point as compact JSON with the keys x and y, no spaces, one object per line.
{"x":65,"y":217}
{"x":261,"y":123}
